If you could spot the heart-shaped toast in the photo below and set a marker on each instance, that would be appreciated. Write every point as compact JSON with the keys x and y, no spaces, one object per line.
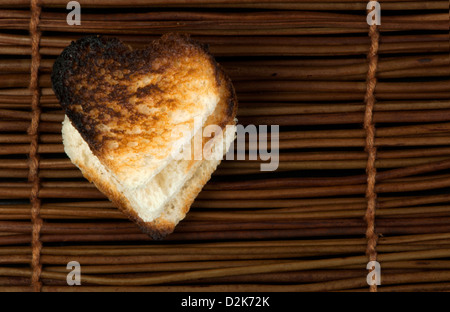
{"x":127,"y":115}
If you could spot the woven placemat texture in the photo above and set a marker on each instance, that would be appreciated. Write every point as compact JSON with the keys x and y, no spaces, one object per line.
{"x":364,"y":159}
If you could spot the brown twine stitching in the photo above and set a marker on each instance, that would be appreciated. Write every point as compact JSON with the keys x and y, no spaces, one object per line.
{"x":369,"y":126}
{"x":33,"y":175}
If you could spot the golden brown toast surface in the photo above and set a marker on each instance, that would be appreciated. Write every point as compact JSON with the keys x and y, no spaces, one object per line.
{"x":177,"y":207}
{"x":127,"y":104}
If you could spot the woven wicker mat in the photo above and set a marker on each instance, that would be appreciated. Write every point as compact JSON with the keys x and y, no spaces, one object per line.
{"x":364,"y":162}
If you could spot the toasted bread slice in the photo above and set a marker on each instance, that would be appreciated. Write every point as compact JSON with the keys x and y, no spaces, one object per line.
{"x":178,"y":206}
{"x":158,"y":205}
{"x":131,"y":107}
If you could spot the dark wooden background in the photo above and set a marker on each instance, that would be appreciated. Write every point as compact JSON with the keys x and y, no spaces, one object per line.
{"x":301,"y":65}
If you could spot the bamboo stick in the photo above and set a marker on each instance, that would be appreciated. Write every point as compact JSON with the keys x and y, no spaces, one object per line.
{"x":319,"y":203}
{"x":261,"y":109}
{"x":247,"y":24}
{"x":65,"y":163}
{"x":244,"y":216}
{"x":248,"y":16}
{"x":419,"y":169}
{"x":8,"y":126}
{"x":329,"y":165}
{"x":336,"y":96}
{"x":105,"y":230}
{"x":287,"y":120}
{"x":140,"y":41}
{"x":217,"y":288}
{"x":285,"y":5}
{"x":321,"y":191}
{"x":254,"y":167}
{"x":344,"y":73}
{"x":336,"y":86}
{"x":20,"y":80}
{"x":81,"y":249}
{"x":231,"y":235}
{"x":23,"y":149}
{"x":383,"y":132}
{"x":90,"y":192}
{"x":274,"y":73}
{"x":50,"y":148}
{"x":348,"y":118}
{"x":270,"y":50}
{"x":48,"y":96}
